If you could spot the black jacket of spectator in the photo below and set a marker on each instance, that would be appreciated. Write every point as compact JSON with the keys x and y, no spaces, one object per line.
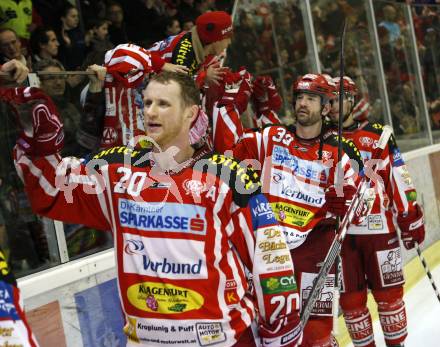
{"x":72,"y":56}
{"x":118,"y":35}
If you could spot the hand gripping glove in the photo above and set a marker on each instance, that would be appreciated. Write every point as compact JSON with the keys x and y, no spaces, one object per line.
{"x":412,"y":227}
{"x":237,"y":90}
{"x":41,"y":130}
{"x":265,"y":96}
{"x":286,"y":332}
{"x":337,"y":201}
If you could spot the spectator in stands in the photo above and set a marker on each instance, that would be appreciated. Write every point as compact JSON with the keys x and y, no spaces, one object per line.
{"x":49,"y":11}
{"x":72,"y":44}
{"x":100,"y":40}
{"x":91,"y":10}
{"x":144,"y":21}
{"x":187,"y":11}
{"x":389,"y":22}
{"x":170,"y":9}
{"x":187,"y":24}
{"x":203,"y":6}
{"x":16,"y":15}
{"x":434,"y":111}
{"x":44,"y":44}
{"x":117,"y":29}
{"x":10,"y":47}
{"x":431,"y":62}
{"x":172,"y":27}
{"x":55,"y":87}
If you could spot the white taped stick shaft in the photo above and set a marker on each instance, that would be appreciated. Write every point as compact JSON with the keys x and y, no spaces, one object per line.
{"x":387,"y":131}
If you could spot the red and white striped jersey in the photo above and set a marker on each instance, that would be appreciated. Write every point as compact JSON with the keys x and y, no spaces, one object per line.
{"x":295,"y":171}
{"x":397,"y":194}
{"x":127,"y":65}
{"x":268,"y":117}
{"x":182,"y":241}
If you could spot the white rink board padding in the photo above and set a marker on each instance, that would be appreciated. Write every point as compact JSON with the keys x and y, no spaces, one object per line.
{"x":422,"y":306}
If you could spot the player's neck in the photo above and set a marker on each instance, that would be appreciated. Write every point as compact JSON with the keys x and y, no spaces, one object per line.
{"x":309,"y":131}
{"x":348,"y":122}
{"x":172,"y":155}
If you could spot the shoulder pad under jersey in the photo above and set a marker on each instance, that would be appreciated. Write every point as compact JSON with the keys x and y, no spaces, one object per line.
{"x":244,"y":182}
{"x":375,"y":128}
{"x":122,"y":154}
{"x":183,"y":54}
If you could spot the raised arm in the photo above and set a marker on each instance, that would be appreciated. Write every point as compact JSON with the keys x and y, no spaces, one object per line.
{"x":61,"y":189}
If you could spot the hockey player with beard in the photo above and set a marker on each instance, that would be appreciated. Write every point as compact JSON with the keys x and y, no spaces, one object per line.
{"x":298,"y":177}
{"x":371,"y":254}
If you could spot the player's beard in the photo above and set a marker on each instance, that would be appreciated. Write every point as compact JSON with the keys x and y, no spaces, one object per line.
{"x":312,"y":118}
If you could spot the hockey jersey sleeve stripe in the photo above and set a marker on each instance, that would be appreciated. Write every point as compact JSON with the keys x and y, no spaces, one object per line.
{"x":130,"y":54}
{"x":38,"y":174}
{"x":266,"y":132}
{"x":167,"y":55}
{"x":125,"y":60}
{"x":121,"y":112}
{"x":230,"y":124}
{"x":135,"y":77}
{"x":223,"y":191}
{"x":106,"y":176}
{"x":53,"y":160}
{"x":248,"y":234}
{"x":104,"y":207}
{"x":269,"y":118}
{"x":233,"y":258}
{"x":62,"y":193}
{"x":136,"y":50}
{"x":131,"y":116}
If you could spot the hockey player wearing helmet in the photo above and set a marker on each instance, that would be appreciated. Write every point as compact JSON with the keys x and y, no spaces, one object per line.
{"x":376,"y":238}
{"x":298,"y":166}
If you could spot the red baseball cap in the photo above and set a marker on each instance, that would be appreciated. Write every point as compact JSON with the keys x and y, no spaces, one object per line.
{"x":214,"y":26}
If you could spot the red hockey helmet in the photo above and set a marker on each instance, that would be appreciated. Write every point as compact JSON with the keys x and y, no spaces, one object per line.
{"x":349,"y":85}
{"x":315,"y":84}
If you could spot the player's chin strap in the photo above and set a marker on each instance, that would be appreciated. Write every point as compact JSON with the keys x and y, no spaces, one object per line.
{"x":356,"y":209}
{"x":339,"y":179}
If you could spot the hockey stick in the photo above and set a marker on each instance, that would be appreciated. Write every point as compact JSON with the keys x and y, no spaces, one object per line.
{"x":336,"y":293}
{"x":428,"y":272}
{"x":355,"y":209}
{"x":55,"y":73}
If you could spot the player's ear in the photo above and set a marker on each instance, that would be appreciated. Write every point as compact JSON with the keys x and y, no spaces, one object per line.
{"x":326,"y":109}
{"x":194,"y":111}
